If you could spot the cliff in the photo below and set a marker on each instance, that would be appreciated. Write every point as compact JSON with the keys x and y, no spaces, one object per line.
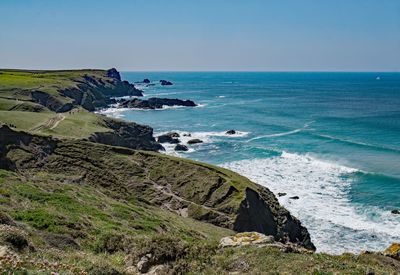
{"x":73,"y":206}
{"x":60,"y":91}
{"x":203,"y":192}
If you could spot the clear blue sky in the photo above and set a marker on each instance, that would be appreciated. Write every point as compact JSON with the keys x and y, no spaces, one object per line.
{"x":275,"y":35}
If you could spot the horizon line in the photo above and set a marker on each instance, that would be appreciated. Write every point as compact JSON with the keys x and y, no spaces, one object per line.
{"x":211,"y":71}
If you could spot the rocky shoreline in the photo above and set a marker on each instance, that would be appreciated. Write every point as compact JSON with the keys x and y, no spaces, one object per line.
{"x":183,"y":141}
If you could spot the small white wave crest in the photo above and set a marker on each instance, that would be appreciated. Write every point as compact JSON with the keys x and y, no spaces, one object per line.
{"x":276,"y":135}
{"x":113,"y":112}
{"x":305,"y":126}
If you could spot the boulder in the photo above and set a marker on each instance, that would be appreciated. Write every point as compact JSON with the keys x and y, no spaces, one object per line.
{"x":245,"y":238}
{"x":165,"y":82}
{"x":393,"y":251}
{"x":146,"y":80}
{"x":180,"y":147}
{"x":62,"y":242}
{"x":294,"y":198}
{"x":195,"y":141}
{"x":187,"y":135}
{"x":395,"y":211}
{"x":144,"y":263}
{"x":173,"y":134}
{"x":169,"y":138}
{"x":281,"y":194}
{"x":230,"y":132}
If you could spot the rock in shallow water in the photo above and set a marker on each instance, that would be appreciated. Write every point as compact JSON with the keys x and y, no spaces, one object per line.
{"x":156,"y":103}
{"x":165,"y":82}
{"x":169,"y":138}
{"x":180,"y":147}
{"x":230,"y":132}
{"x":195,"y":141}
{"x":395,"y":211}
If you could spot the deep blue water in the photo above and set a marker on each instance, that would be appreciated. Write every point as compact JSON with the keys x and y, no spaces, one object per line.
{"x":333,"y":139}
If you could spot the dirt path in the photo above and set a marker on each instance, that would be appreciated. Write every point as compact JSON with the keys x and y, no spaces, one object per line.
{"x":50,"y":123}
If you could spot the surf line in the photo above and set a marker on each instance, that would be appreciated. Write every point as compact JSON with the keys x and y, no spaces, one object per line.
{"x":283,"y":133}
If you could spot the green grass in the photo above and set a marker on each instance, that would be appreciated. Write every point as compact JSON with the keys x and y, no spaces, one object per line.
{"x":23,"y":79}
{"x":24,"y":120}
{"x":7,"y":104}
{"x":66,"y":209}
{"x":17,"y":84}
{"x":253,"y":260}
{"x":78,"y":124}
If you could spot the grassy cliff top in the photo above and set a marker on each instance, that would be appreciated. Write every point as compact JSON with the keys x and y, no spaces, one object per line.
{"x":16,"y":84}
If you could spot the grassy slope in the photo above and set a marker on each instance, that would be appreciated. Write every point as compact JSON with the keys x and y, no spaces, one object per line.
{"x":108,"y":228}
{"x":49,"y":207}
{"x":76,"y":124}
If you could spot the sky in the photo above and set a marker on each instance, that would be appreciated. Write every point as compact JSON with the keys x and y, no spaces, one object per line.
{"x":201,"y":35}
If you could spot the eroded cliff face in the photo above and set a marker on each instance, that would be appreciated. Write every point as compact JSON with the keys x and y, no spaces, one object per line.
{"x":90,"y":90}
{"x":50,"y":102}
{"x":261,"y":212}
{"x":127,"y":134}
{"x":190,"y":189}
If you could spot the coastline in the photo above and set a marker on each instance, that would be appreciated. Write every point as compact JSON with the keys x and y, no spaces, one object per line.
{"x":156,"y":198}
{"x":372,"y":231}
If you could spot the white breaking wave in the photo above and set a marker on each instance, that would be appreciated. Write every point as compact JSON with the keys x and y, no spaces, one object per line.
{"x":324,"y":207}
{"x":118,"y":112}
{"x":113,"y":112}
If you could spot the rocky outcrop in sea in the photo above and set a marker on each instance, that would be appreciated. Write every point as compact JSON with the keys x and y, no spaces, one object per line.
{"x":155,"y":103}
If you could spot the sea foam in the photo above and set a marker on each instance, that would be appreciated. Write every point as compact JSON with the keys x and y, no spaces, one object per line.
{"x":335,"y":223}
{"x":206,"y":137}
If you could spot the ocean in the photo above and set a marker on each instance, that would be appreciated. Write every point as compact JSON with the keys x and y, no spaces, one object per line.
{"x":332,"y":139}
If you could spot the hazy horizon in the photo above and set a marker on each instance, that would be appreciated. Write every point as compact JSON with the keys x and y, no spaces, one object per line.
{"x":151,"y":35}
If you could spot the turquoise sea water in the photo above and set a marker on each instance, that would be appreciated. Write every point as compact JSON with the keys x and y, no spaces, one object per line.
{"x":333,"y":139}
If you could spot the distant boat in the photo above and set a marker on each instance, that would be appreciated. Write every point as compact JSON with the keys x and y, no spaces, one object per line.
{"x":378,"y":78}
